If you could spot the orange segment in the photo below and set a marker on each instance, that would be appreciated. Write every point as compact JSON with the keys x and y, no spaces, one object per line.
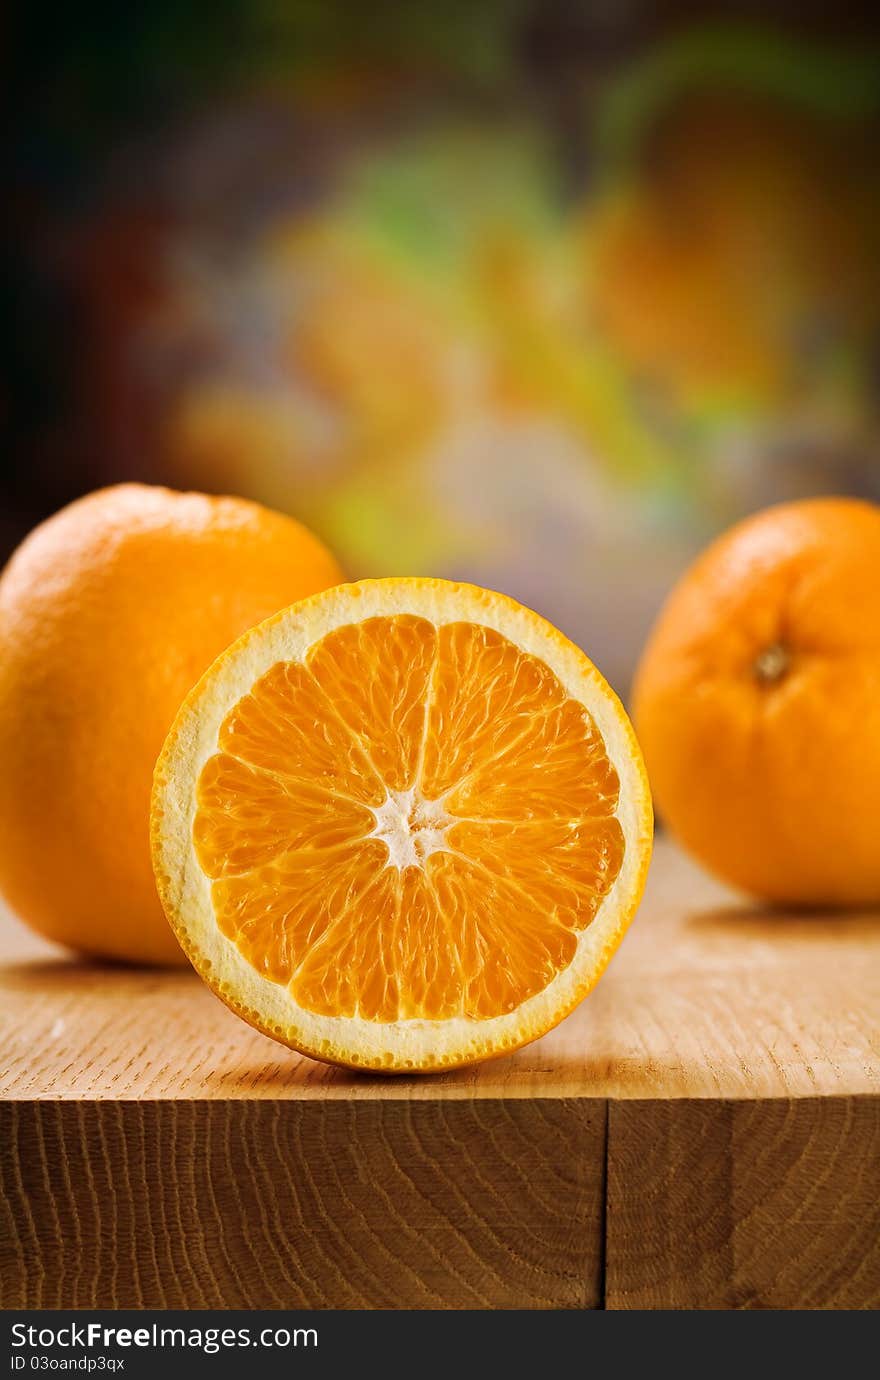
{"x":464,"y":715}
{"x":310,"y":743}
{"x":566,"y":866}
{"x":553,"y":764}
{"x":508,"y":947}
{"x":376,"y":675}
{"x":425,"y":816}
{"x":248,"y":817}
{"x":352,"y":970}
{"x":488,"y":695}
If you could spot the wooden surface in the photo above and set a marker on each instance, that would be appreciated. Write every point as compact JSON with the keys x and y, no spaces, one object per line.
{"x":704,"y":1132}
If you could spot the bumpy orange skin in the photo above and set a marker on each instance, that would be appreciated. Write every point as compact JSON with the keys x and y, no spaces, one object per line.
{"x":109,"y":613}
{"x":768,"y":768}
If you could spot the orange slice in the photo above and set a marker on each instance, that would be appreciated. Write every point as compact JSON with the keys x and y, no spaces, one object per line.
{"x":401,"y":825}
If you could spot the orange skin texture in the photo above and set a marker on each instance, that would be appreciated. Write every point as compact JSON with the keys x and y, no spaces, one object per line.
{"x":770,"y":775}
{"x":109,"y":612}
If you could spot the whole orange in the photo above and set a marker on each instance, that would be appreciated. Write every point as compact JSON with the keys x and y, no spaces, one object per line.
{"x":757,"y":703}
{"x":109,"y":613}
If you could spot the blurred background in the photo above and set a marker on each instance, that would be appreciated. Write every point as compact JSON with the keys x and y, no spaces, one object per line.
{"x":535,"y":293}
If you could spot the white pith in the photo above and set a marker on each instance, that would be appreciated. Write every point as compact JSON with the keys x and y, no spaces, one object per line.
{"x":187,"y":890}
{"x":411,"y":826}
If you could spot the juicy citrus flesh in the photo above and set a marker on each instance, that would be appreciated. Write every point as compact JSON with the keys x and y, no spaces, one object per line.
{"x":414,"y":822}
{"x":407,"y":827}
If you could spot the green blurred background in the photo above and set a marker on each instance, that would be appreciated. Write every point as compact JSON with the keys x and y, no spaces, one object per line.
{"x":540,"y":295}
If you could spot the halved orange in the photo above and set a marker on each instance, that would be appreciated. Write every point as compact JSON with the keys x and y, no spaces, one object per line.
{"x":403,"y":824}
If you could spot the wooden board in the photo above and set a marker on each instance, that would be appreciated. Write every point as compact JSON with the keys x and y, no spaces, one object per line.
{"x":704,"y":1132}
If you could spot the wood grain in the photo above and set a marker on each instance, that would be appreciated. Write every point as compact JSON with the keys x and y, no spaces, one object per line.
{"x":264,"y":1204}
{"x":744,"y":1204}
{"x":156,"y":1149}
